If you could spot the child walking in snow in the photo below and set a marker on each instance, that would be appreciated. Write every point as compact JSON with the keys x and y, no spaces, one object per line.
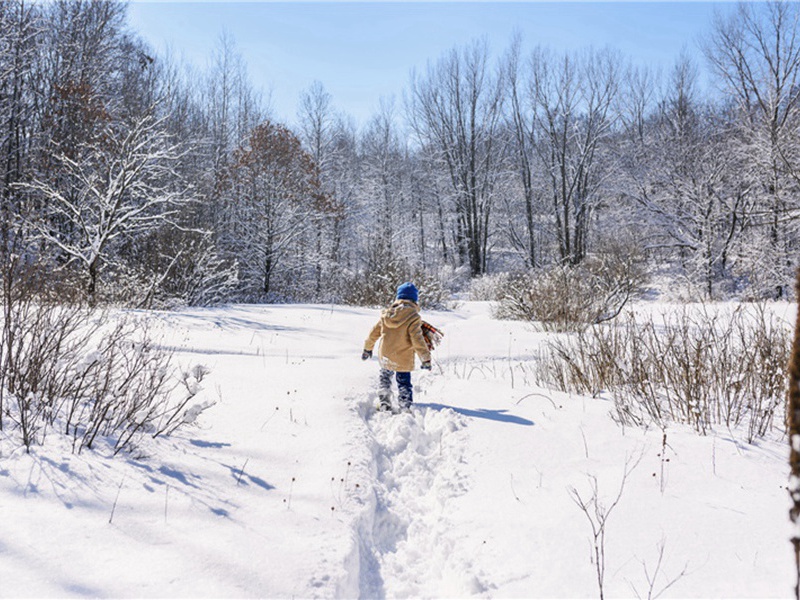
{"x":400,"y":331}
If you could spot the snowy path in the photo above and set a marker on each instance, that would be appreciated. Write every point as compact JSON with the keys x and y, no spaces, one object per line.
{"x":408,"y":542}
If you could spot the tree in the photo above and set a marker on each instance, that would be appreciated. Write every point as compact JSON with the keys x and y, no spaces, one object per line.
{"x":689,"y":192}
{"x":572,"y":99}
{"x":755,"y":53}
{"x":276,"y":191}
{"x":525,"y":135}
{"x":232,"y":106}
{"x":122,"y":185}
{"x":79,"y":68}
{"x":383,"y":181}
{"x":456,"y":109}
{"x":318,"y":131}
{"x":17,"y":48}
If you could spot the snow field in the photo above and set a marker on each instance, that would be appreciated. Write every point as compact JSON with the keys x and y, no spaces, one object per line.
{"x":291,"y":485}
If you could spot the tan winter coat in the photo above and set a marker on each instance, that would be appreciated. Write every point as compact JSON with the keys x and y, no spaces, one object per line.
{"x":401,"y":333}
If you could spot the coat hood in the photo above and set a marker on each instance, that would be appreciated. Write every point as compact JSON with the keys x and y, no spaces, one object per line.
{"x":399,"y":313}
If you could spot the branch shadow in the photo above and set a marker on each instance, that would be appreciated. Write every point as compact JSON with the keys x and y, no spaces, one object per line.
{"x":242,"y":477}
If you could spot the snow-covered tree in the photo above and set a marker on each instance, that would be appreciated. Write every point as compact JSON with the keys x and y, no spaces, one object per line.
{"x":524,"y":227}
{"x":572,"y":99}
{"x":684,"y":181}
{"x":319,"y":127}
{"x":755,"y":53}
{"x":119,"y":186}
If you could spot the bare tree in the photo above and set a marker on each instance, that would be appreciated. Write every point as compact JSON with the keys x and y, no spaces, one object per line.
{"x":319,"y":126}
{"x":226,"y":72}
{"x":79,"y":71}
{"x":17,"y":51}
{"x":317,"y":121}
{"x":525,"y":135}
{"x":384,"y":181}
{"x":573,"y":98}
{"x":684,"y":180}
{"x":277,"y":193}
{"x":638,"y":97}
{"x":456,"y":110}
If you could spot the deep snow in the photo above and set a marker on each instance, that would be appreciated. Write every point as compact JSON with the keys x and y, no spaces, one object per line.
{"x":293,"y":486}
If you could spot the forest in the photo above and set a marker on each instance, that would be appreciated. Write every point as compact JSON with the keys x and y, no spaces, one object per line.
{"x":131,"y":178}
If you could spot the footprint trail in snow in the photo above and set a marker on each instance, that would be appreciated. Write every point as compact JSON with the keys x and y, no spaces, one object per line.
{"x":407,"y":543}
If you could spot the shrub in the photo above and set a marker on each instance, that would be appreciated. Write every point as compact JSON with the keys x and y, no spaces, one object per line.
{"x":699,"y":367}
{"x":376,"y":284}
{"x":491,"y":288}
{"x":565,"y":298}
{"x":63,"y":368}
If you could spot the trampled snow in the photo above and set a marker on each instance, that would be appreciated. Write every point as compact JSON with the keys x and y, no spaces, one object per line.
{"x":292,"y":485}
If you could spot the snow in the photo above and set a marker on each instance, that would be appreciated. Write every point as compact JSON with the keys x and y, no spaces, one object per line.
{"x":292,"y":485}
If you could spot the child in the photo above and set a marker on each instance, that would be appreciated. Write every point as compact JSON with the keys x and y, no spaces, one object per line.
{"x":400,"y":326}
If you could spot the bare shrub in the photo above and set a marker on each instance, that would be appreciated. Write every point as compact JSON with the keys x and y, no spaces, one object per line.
{"x":567,"y":298}
{"x":63,"y":367}
{"x":40,"y":339}
{"x":376,"y":284}
{"x":699,"y":366}
{"x":490,"y":288}
{"x":598,"y":513}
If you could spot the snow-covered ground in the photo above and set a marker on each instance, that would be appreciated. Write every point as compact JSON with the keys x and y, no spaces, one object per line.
{"x":292,"y":485}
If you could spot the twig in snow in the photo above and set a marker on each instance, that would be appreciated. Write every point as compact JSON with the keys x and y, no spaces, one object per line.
{"x":651,"y":579}
{"x":538,"y":394}
{"x":291,"y":489}
{"x":264,"y":424}
{"x":513,"y":491}
{"x":114,"y":506}
{"x":241,"y":472}
{"x":585,"y":444}
{"x":597,"y":514}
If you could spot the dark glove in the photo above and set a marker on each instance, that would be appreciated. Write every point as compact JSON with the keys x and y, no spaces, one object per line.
{"x":426,"y":365}
{"x":366,"y":354}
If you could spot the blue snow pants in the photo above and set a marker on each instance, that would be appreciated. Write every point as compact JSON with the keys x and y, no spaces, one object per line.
{"x":404,"y":387}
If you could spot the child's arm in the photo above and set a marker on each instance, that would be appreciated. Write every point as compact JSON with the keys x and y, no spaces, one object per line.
{"x":373,"y":336}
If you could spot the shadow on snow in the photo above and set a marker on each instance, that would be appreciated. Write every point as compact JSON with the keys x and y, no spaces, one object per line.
{"x":481,"y":413}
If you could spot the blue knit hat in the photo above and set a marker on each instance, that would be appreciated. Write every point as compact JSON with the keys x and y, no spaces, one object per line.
{"x":408,"y":291}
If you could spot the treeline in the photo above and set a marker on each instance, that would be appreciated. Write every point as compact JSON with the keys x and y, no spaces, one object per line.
{"x":128,"y":177}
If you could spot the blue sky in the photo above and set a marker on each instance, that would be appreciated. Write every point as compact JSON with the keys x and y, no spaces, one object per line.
{"x":362,"y":51}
